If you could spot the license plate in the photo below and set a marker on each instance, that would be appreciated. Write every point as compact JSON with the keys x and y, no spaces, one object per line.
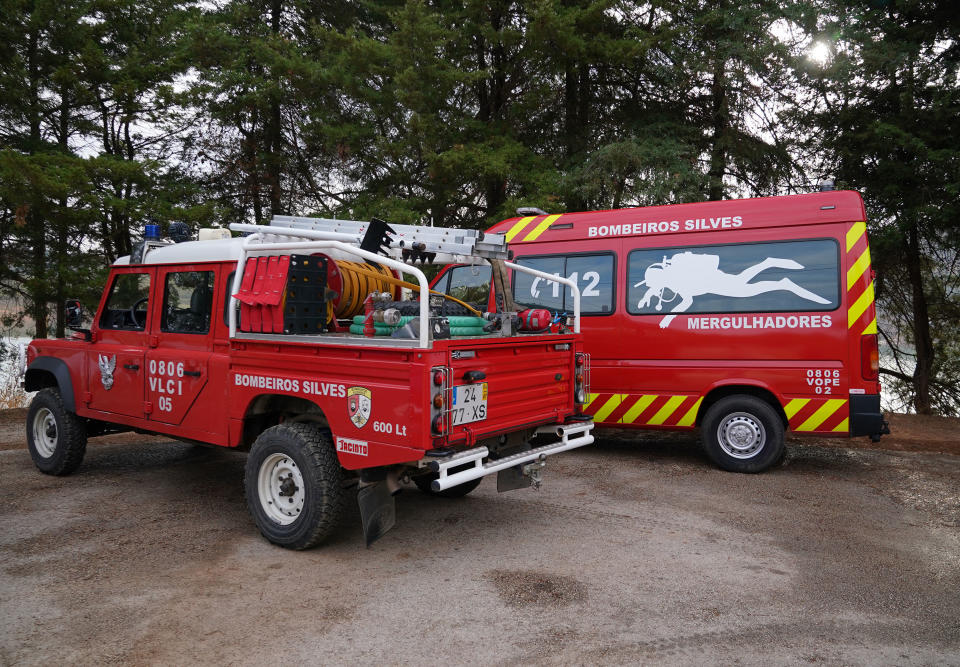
{"x":469,"y":403}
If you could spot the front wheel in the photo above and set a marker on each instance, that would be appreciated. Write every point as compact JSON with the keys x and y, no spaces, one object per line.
{"x":57,"y":438}
{"x":743,"y":434}
{"x":293,"y":485}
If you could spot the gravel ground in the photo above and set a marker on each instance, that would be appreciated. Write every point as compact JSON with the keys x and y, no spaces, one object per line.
{"x":636,"y":550}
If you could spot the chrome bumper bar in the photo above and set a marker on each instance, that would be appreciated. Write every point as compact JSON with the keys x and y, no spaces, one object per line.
{"x":571,"y":436}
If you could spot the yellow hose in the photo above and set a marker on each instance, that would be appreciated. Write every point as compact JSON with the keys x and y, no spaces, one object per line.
{"x":388,"y":278}
{"x":358,"y":282}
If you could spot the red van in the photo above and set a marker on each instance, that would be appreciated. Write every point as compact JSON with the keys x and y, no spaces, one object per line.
{"x":746,"y":318}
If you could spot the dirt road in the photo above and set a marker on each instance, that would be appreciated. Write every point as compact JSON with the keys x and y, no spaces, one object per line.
{"x":633,"y":552}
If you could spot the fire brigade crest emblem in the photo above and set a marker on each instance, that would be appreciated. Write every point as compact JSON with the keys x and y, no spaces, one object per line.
{"x":359,"y":404}
{"x":107,"y":366}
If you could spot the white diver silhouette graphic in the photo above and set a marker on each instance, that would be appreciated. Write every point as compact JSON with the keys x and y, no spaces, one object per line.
{"x":688,"y":275}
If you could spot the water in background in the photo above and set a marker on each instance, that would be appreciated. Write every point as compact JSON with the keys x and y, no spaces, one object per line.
{"x":12,"y":394}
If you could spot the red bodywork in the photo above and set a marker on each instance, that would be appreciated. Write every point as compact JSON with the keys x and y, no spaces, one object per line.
{"x":205,"y":387}
{"x":819,"y":364}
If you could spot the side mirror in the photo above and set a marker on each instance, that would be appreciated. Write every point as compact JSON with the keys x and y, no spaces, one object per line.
{"x":73,"y":313}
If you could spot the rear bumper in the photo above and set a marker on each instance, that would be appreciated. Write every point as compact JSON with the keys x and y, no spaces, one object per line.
{"x":570,"y":436}
{"x":865,"y":416}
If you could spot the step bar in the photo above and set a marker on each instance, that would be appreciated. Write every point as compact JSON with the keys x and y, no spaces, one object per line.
{"x":571,"y":436}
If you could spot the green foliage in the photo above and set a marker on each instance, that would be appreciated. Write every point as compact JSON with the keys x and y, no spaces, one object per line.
{"x":889,"y":115}
{"x":119,"y":113}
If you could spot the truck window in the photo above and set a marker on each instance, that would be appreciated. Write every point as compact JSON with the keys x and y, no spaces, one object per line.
{"x":593,"y":274}
{"x":742,"y":278}
{"x":127,"y":305}
{"x":469,"y":283}
{"x":187,"y":302}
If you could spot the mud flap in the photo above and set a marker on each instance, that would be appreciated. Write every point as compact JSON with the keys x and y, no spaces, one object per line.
{"x":512,"y":478}
{"x":378,"y":511}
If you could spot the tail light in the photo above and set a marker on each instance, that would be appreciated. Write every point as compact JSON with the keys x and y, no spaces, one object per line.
{"x":581,"y":378}
{"x":869,"y":357}
{"x":439,"y":415}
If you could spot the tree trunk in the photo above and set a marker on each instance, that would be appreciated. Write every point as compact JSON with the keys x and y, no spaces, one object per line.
{"x":36,"y":230}
{"x":62,"y":251}
{"x":923,"y":342}
{"x":274,"y":129}
{"x":576,"y":102}
{"x":720,"y":119}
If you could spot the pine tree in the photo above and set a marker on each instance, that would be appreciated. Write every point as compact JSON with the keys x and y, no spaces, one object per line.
{"x":889,"y":116}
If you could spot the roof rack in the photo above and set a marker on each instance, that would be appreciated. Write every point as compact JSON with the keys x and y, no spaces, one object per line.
{"x":441,"y":240}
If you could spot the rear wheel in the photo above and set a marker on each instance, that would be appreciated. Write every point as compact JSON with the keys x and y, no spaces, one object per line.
{"x":423,"y":483}
{"x":57,"y":438}
{"x":293,"y":485}
{"x":743,"y":434}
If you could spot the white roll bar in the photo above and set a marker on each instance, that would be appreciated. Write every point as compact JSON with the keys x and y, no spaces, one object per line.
{"x":556,"y":279}
{"x":254,"y":244}
{"x":260,"y":241}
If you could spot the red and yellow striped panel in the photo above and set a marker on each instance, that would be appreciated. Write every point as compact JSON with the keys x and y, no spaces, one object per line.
{"x":818,"y":415}
{"x":644,"y":409}
{"x":529,"y":228}
{"x":861,"y":313}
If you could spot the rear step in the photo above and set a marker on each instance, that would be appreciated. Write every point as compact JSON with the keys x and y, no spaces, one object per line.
{"x":571,"y":436}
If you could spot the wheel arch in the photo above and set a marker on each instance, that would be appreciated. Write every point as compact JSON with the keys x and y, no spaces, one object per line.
{"x":757,"y":391}
{"x":266,"y":410}
{"x":51,"y":372}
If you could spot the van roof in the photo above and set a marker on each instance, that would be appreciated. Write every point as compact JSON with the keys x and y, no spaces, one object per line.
{"x":783,"y":211}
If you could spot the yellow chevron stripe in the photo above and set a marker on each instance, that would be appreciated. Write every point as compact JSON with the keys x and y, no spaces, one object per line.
{"x":668,"y":409}
{"x":857,"y":269}
{"x":541,"y":228}
{"x":794,"y":406}
{"x":872,"y":327}
{"x":861,"y":305}
{"x":518,"y":227}
{"x":642,"y":404}
{"x":821,"y":415}
{"x":856,"y":230}
{"x":842,"y":427}
{"x":690,"y":418}
{"x":608,"y":407}
{"x":590,"y":399}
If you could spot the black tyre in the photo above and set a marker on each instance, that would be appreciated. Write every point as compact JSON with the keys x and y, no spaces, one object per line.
{"x":57,"y":438}
{"x":293,"y":484}
{"x":743,"y":434}
{"x":423,"y":483}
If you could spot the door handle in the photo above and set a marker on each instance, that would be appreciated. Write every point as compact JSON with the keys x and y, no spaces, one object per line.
{"x":132,"y":367}
{"x":194,"y":374}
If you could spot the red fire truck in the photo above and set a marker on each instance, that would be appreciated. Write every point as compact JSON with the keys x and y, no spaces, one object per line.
{"x":293,"y":343}
{"x":746,"y":317}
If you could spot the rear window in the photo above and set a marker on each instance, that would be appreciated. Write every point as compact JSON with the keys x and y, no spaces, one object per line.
{"x":470,"y":284}
{"x":592,"y":273}
{"x":788,"y":276}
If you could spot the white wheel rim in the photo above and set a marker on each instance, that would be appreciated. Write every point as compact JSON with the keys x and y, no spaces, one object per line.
{"x":741,"y":435}
{"x":280,"y":489}
{"x":45,"y":433}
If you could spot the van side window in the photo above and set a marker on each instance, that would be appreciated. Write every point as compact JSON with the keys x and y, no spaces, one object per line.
{"x":468,"y":283}
{"x":592,"y":273}
{"x":127,"y":305}
{"x":786,"y":276}
{"x":187,"y":302}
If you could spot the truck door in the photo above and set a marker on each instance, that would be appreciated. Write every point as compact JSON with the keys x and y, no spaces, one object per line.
{"x":177,"y":369}
{"x":115,"y":364}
